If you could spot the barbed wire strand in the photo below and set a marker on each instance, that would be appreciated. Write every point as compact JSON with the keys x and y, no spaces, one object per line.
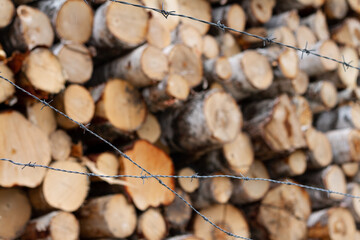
{"x":266,"y":40}
{"x":34,"y":165}
{"x":124,"y":156}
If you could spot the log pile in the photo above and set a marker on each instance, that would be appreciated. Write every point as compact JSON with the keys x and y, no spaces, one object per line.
{"x":179,"y":98}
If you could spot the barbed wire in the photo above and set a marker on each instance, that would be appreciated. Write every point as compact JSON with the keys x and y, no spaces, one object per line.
{"x":194,"y":176}
{"x":266,"y":40}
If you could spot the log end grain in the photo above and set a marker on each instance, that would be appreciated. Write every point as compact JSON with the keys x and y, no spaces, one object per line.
{"x":7,"y":11}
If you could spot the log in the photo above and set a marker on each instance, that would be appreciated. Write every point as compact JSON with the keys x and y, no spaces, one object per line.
{"x":41,"y":116}
{"x":284,"y":212}
{"x":191,"y":8}
{"x":319,"y":152}
{"x":217,"y":69}
{"x":228,"y":45}
{"x":351,"y":203}
{"x":111,"y":25}
{"x":183,"y":61}
{"x":246,"y":78}
{"x":189,"y":185}
{"x":290,"y":166}
{"x":178,"y":214}
{"x":2,"y":53}
{"x":247,"y":42}
{"x":232,"y":16}
{"x":60,"y":190}
{"x":207,"y":121}
{"x":322,"y":96}
{"x":347,"y":95}
{"x":130,"y":111}
{"x":7,"y":12}
{"x":15,"y":212}
{"x":72,"y":20}
{"x":31,"y":28}
{"x":76,"y":61}
{"x":189,"y":36}
{"x":259,"y":11}
{"x":144,"y":66}
{"x":107,"y":217}
{"x":303,"y":112}
{"x":305,"y":37}
{"x":211,"y":48}
{"x":251,"y":191}
{"x":226,"y":216}
{"x":54,"y":225}
{"x":60,"y":143}
{"x":336,"y":9}
{"x":77,"y":103}
{"x":345,"y":145}
{"x":314,"y":65}
{"x":284,"y":5}
{"x":346,"y":116}
{"x":150,"y":130}
{"x":7,"y":90}
{"x":51,"y":78}
{"x":148,"y":193}
{"x":331,"y":223}
{"x":158,"y":34}
{"x":171,"y":5}
{"x":12,"y":126}
{"x":105,"y":162}
{"x":282,"y":34}
{"x":346,"y":33}
{"x":289,"y":19}
{"x":184,"y":237}
{"x":317,"y":23}
{"x":273,"y":127}
{"x":152,"y":225}
{"x":350,"y":169}
{"x":170,"y":92}
{"x":354,"y":5}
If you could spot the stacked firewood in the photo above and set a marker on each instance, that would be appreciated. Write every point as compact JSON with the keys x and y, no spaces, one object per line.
{"x":179,"y":98}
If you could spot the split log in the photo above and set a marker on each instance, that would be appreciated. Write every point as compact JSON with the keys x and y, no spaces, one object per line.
{"x":246,"y":76}
{"x":273,"y":127}
{"x":41,"y":116}
{"x":158,"y":34}
{"x":44,"y":71}
{"x":232,"y":16}
{"x":60,"y":143}
{"x":329,"y":178}
{"x":350,"y":169}
{"x":352,"y":204}
{"x":170,"y":92}
{"x":289,"y":19}
{"x":209,"y":120}
{"x":152,"y":225}
{"x":251,"y":191}
{"x":130,"y":111}
{"x":211,"y":191}
{"x":314,"y":65}
{"x":112,"y":22}
{"x":77,"y":103}
{"x":142,"y":67}
{"x":54,"y":225}
{"x":15,"y":212}
{"x":76,"y":61}
{"x":189,"y":185}
{"x":31,"y":28}
{"x":317,"y":23}
{"x":354,"y":5}
{"x":303,"y":112}
{"x":319,"y":153}
{"x":211,"y":48}
{"x":290,"y":166}
{"x":6,"y":89}
{"x":322,"y":96}
{"x":284,"y":212}
{"x":171,"y":5}
{"x":345,"y":145}
{"x":178,"y":214}
{"x":189,"y":36}
{"x":331,"y":223}
{"x":7,"y":12}
{"x":183,"y":61}
{"x":346,"y":33}
{"x":72,"y":20}
{"x":150,"y":130}
{"x":191,"y":8}
{"x":259,"y":11}
{"x":305,"y":37}
{"x":336,"y":9}
{"x":217,"y":69}
{"x":148,"y":193}
{"x":226,"y":216}
{"x":346,"y":116}
{"x":107,"y":217}
{"x":228,"y":45}
{"x":60,"y":190}
{"x":12,"y":126}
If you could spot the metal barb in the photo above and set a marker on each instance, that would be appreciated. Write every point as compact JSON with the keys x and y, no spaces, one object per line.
{"x":268,"y":40}
{"x":165,"y":13}
{"x":346,"y":64}
{"x":45,"y":104}
{"x":220,"y":25}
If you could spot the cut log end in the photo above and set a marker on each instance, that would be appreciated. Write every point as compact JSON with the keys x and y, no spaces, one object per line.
{"x":7,"y":90}
{"x":319,"y":147}
{"x":154,"y":63}
{"x":189,"y":185}
{"x":150,"y":130}
{"x":7,"y":11}
{"x":152,"y":225}
{"x":177,"y":87}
